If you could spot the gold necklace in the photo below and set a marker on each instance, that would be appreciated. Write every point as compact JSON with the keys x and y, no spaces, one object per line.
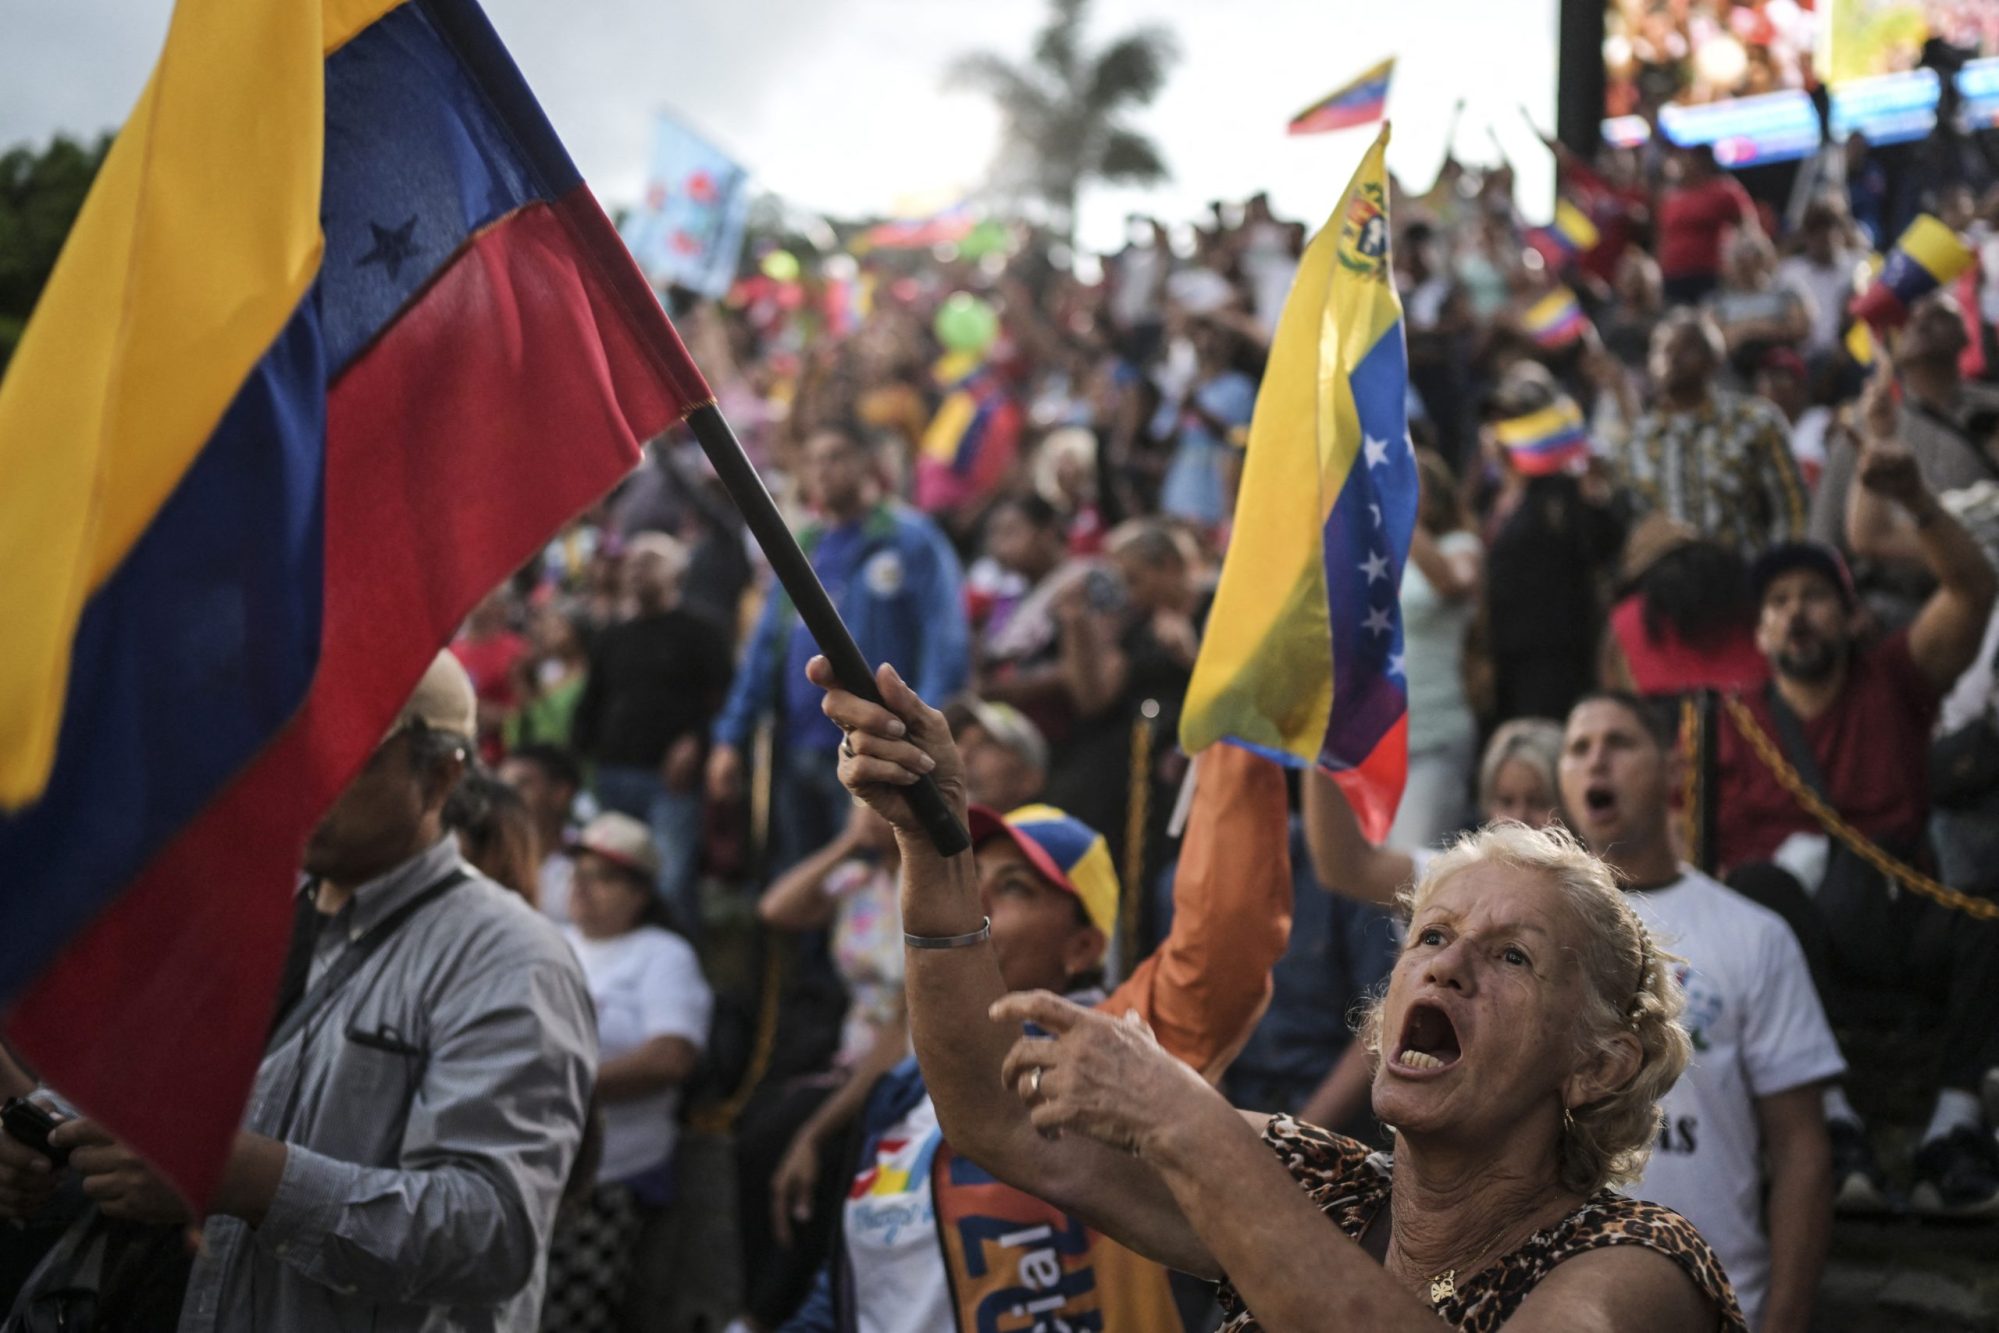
{"x":1444,"y":1285}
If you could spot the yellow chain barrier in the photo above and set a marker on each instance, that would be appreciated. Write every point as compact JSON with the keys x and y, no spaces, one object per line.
{"x":1138,"y":813}
{"x":1863,"y":847}
{"x":1690,"y":780}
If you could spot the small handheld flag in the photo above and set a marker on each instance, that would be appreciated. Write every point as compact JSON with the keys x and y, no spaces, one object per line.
{"x":1568,"y":237}
{"x":1361,"y":102}
{"x":1302,"y":659}
{"x":1556,"y":320}
{"x":1925,"y":257}
{"x":1545,"y":442}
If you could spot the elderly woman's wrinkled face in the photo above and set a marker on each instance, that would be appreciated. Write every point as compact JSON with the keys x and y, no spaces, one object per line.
{"x":1478,"y":1027}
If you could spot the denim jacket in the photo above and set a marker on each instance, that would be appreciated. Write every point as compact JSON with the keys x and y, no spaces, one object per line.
{"x":907,"y":609}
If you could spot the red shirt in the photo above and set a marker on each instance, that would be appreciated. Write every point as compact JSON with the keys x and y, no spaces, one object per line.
{"x":1872,"y":744}
{"x":1691,"y":222}
{"x":1616,"y":210}
{"x":490,"y":664}
{"x":1671,"y":665}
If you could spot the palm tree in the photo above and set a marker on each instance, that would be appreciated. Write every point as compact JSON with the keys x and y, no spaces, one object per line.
{"x":1064,"y":110}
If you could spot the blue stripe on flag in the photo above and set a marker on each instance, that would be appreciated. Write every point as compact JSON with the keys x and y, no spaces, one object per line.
{"x":189,"y":658}
{"x":1371,"y":522}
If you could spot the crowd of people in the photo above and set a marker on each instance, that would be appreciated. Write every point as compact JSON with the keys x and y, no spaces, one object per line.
{"x":626,"y":992}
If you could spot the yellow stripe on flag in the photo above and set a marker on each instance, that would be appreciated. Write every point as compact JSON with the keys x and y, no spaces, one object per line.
{"x":1265,"y":671}
{"x":194,"y":247}
{"x":1930,"y":242}
{"x":1575,"y":224}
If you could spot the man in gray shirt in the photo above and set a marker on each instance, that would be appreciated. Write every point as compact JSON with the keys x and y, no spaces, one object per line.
{"x":423,"y":1094}
{"x":1947,"y":424}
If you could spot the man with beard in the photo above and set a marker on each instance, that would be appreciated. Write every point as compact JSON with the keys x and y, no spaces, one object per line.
{"x":1853,"y":721}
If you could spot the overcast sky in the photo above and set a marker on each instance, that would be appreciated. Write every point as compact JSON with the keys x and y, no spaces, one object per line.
{"x":841,"y":106}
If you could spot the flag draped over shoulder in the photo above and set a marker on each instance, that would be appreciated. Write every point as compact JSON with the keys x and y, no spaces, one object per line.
{"x":973,"y":439}
{"x":1359,"y":102}
{"x":339,"y":338}
{"x":1302,"y":657}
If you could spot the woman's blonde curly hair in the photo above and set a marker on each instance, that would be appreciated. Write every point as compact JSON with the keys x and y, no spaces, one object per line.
{"x":1628,"y":983}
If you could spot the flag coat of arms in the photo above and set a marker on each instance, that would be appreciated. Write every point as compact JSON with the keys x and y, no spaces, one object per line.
{"x":1302,"y":657}
{"x":339,"y":338}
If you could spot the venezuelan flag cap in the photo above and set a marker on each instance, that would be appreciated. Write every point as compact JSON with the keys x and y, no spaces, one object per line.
{"x":1062,"y":849}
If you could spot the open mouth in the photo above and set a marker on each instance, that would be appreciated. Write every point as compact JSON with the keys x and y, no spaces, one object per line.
{"x":1429,"y":1040}
{"x":1599,"y":801}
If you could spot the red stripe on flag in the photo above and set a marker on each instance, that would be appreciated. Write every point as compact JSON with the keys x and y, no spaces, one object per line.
{"x":513,"y":393}
{"x":1374,"y":787}
{"x":1340,"y":116}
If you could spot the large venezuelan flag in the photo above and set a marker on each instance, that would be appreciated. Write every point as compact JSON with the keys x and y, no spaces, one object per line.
{"x":1302,"y":659}
{"x":338,"y":339}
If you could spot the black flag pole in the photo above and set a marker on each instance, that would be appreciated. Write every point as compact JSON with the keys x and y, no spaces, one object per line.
{"x":815,"y":608}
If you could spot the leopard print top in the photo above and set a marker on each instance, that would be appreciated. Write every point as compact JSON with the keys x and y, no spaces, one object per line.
{"x":1351,"y":1185}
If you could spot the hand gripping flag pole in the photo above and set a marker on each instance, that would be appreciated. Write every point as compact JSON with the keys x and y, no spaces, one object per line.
{"x":815,"y":608}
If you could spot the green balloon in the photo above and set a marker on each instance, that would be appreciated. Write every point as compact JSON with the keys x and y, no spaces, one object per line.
{"x":966,"y":324}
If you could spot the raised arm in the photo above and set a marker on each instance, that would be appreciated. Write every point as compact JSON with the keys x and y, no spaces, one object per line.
{"x":1892,"y":513}
{"x":950,"y":991}
{"x":1343,"y":859}
{"x":1203,"y":989}
{"x":797,"y":899}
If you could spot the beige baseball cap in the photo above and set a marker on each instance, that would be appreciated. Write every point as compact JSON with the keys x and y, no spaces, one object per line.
{"x":622,"y":840}
{"x":442,"y":701}
{"x":1010,"y":728}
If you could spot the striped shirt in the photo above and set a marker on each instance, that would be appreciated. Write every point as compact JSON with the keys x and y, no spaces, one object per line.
{"x":1724,"y":468}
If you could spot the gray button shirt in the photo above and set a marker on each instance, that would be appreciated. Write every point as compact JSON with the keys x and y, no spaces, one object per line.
{"x":431,"y":1107}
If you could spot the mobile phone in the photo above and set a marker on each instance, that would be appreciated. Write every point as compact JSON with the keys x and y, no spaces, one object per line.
{"x":30,"y":1123}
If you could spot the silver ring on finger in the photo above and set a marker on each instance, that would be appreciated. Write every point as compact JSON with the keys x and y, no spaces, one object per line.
{"x":1034,"y":1082}
{"x":847,"y":746}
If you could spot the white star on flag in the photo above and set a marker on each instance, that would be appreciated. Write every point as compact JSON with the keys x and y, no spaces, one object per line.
{"x":1409,"y":442}
{"x":1375,"y":509}
{"x":1395,"y":664}
{"x":1377,"y":450}
{"x":1377,"y":620}
{"x":1375,"y":566}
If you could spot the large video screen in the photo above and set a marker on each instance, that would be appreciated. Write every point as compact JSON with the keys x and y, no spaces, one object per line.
{"x":1737,"y":74}
{"x":1883,"y":87}
{"x":1871,"y":38}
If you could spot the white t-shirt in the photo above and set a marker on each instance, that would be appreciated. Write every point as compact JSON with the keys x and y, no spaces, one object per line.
{"x":646,"y":983}
{"x":891,"y":1230}
{"x":1758,"y":1030}
{"x":552,"y":883}
{"x":1433,"y":636}
{"x":1826,"y":291}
